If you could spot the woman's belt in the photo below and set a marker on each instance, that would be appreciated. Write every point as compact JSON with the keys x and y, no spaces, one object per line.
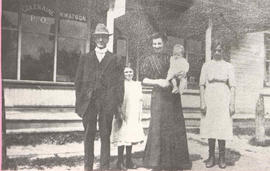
{"x":217,"y":81}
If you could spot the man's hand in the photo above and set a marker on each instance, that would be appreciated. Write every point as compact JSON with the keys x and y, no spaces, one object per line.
{"x":232,"y":109}
{"x":203,"y":108}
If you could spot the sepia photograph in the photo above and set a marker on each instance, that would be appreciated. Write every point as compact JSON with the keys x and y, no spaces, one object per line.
{"x":151,"y":85}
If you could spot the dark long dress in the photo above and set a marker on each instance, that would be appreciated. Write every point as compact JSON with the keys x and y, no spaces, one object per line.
{"x":166,"y":146}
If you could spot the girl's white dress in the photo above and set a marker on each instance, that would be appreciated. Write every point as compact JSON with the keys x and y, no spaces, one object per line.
{"x":131,"y":131}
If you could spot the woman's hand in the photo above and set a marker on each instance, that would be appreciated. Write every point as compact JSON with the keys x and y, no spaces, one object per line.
{"x":160,"y":82}
{"x":232,"y":102}
{"x":150,"y":81}
{"x":232,"y":109}
{"x":203,"y":108}
{"x":146,"y":80}
{"x":163,"y":83}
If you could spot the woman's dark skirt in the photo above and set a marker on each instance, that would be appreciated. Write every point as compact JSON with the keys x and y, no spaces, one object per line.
{"x":166,"y":146}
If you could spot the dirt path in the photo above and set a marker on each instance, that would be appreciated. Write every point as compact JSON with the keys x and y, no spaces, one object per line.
{"x":241,"y":156}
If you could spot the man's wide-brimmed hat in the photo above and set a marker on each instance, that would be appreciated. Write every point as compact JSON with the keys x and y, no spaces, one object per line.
{"x":101,"y":30}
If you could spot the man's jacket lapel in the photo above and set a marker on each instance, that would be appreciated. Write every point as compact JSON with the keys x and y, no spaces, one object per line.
{"x":106,"y":61}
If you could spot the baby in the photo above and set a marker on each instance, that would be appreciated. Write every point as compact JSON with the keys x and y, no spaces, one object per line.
{"x":178,"y":69}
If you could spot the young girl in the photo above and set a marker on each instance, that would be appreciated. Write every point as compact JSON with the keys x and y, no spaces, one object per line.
{"x":178,"y":65}
{"x":130,"y":131}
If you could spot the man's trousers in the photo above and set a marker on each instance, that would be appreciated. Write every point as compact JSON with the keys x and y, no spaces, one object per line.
{"x":97,"y":108}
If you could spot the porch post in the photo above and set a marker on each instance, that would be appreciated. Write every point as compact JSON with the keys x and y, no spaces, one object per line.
{"x":208,"y":40}
{"x":110,"y":26}
{"x":117,"y":9}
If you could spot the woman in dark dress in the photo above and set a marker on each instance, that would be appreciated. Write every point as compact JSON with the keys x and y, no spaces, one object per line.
{"x":166,"y":147}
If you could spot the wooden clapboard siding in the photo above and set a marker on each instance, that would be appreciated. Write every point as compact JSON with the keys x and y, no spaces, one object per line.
{"x":38,"y":97}
{"x":45,"y":96}
{"x":248,"y":62}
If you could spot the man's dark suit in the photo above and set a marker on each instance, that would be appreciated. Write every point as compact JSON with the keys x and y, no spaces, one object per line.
{"x":99,"y":92}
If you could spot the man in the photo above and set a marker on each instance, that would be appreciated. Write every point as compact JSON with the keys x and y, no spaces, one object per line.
{"x":99,"y":88}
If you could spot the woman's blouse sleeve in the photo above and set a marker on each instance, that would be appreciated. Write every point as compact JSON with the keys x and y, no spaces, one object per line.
{"x":231,"y":76}
{"x":140,"y":93}
{"x":170,"y":73}
{"x":203,"y":75}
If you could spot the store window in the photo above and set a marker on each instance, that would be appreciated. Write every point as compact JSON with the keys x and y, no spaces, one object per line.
{"x":37,"y":50}
{"x":71,"y":39}
{"x":9,"y":39}
{"x":41,"y":42}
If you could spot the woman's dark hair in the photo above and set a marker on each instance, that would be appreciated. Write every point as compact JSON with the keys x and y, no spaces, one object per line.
{"x":157,"y":35}
{"x":216,"y":44}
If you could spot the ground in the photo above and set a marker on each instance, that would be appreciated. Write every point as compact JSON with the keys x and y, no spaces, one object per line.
{"x":241,"y":155}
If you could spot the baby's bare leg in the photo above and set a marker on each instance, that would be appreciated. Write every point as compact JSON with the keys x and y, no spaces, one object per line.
{"x":175,"y":88}
{"x":182,"y":85}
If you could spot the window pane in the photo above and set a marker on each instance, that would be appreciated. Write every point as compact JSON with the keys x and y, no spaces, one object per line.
{"x":73,"y":10}
{"x":37,"y":57}
{"x":69,"y":51}
{"x":73,"y":28}
{"x":73,"y":18}
{"x":39,"y":7}
{"x":10,"y":19}
{"x":195,"y":65}
{"x":10,"y":14}
{"x":267,"y":74}
{"x":37,"y":24}
{"x":9,"y":54}
{"x":38,"y":16}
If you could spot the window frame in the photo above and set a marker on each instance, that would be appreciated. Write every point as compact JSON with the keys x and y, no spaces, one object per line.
{"x":17,"y":29}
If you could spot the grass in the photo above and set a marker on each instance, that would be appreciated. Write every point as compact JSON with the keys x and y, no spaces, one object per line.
{"x":44,"y":138}
{"x":43,"y":163}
